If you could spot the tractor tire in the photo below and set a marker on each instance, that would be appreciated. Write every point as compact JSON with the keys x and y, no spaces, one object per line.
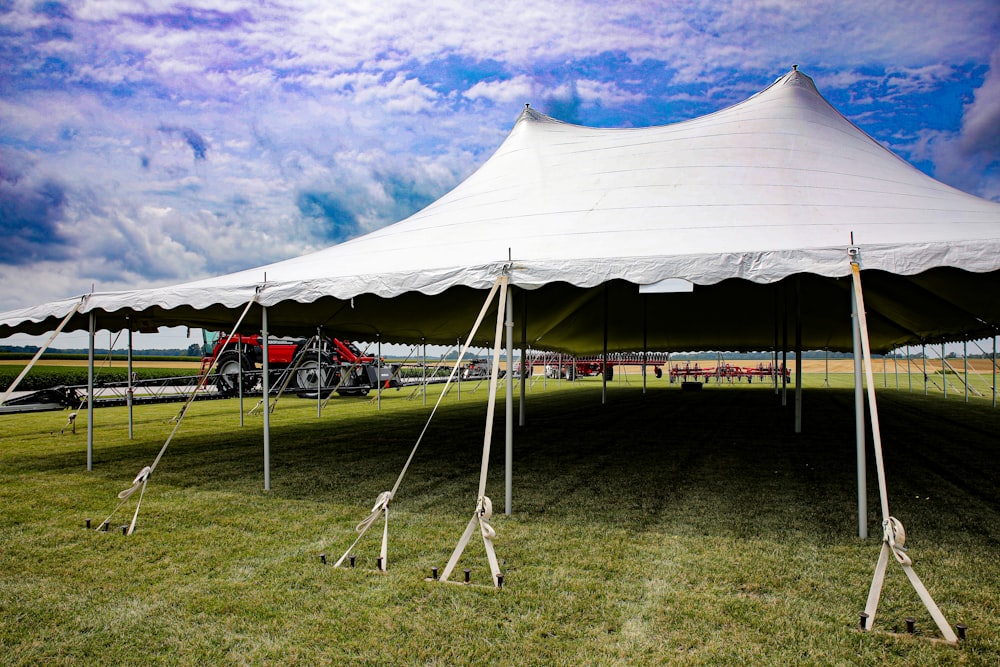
{"x":308,"y":375}
{"x":227,"y":369}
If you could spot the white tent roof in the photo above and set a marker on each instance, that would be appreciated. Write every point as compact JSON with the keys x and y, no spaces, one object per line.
{"x":753,"y":204}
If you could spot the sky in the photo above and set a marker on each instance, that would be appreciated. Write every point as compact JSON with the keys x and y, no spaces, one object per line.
{"x":145,"y":143}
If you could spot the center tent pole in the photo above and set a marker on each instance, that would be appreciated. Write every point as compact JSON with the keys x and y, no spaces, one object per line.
{"x":509,"y":408}
{"x":423,"y":368}
{"x":90,"y":392}
{"x":266,"y":381}
{"x":994,"y":370}
{"x":798,"y":355}
{"x":525,"y":372}
{"x":944,"y":372}
{"x":923,"y":354}
{"x":645,"y":341}
{"x":604,"y":354}
{"x":965,"y":367}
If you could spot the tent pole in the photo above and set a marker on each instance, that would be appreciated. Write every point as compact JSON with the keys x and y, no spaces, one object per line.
{"x":320,"y":374}
{"x":458,"y":388}
{"x":798,"y":355}
{"x":784,"y":345}
{"x":774,"y":365}
{"x":423,"y":368}
{"x":378,"y":373}
{"x":604,"y":353}
{"x":266,"y":383}
{"x":509,"y":424}
{"x":965,"y":371}
{"x":909,"y":377}
{"x":525,"y":367}
{"x":645,"y":341}
{"x":130,"y":391}
{"x":994,"y":370}
{"x":90,"y":392}
{"x":923,"y":354}
{"x":859,"y":423}
{"x":895,"y":368}
{"x":826,"y":366}
{"x":944,"y":372}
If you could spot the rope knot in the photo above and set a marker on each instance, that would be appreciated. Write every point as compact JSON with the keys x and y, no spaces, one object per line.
{"x":136,"y":483}
{"x":484,"y":510}
{"x":895,"y":536}
{"x":381,"y":505}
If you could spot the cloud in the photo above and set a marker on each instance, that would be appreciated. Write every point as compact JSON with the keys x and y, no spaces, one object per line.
{"x":197,"y":143}
{"x":32,"y":210}
{"x":981,"y":121}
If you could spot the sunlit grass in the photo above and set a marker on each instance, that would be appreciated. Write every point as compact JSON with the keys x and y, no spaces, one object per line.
{"x":689,"y":528}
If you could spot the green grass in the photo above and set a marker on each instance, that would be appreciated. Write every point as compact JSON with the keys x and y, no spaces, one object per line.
{"x":672,"y":528}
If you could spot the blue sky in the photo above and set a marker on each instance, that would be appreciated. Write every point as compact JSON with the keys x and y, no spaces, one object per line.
{"x":146,"y":143}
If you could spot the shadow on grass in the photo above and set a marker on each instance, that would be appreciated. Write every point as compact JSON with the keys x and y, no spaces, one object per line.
{"x":722,"y":461}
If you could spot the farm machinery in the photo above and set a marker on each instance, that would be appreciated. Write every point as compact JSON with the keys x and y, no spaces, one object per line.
{"x":313,"y":364}
{"x":724,"y":372}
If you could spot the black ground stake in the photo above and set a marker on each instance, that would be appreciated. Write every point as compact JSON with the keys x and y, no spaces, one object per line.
{"x":960,"y":628}
{"x":322,"y":558}
{"x":434,"y":573}
{"x":105,"y":526}
{"x":862,"y":620}
{"x":499,"y":581}
{"x":352,"y":560}
{"x":468,"y":575}
{"x":88,"y":523}
{"x":911,"y":624}
{"x":125,"y":529}
{"x":378,"y":563}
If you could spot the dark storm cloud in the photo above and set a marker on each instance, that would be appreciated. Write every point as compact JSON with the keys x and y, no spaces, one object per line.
{"x":198,"y":144}
{"x":336,"y":222}
{"x":30,"y":213}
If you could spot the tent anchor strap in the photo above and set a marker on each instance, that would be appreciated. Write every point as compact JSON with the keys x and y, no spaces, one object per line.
{"x":484,"y":508}
{"x":142,"y":479}
{"x":893,"y":534}
{"x":381,"y":506}
{"x":481,"y":518}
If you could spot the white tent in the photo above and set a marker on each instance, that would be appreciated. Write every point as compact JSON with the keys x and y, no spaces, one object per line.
{"x":755,"y":205}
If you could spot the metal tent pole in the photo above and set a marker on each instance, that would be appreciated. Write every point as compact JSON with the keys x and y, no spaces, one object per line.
{"x":524,"y":359}
{"x":645,"y":342}
{"x":784,"y":347}
{"x":944,"y":372}
{"x":994,"y":370}
{"x":798,"y":356}
{"x":509,"y":415}
{"x":859,"y":423}
{"x":423,"y":368}
{"x":895,"y":368}
{"x":909,"y":375}
{"x":266,"y":382}
{"x":965,"y":368}
{"x":604,"y":353}
{"x":320,"y":375}
{"x":923,"y":354}
{"x":90,"y":392}
{"x":130,"y":391}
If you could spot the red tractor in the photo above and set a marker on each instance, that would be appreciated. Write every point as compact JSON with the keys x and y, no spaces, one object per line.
{"x":330,"y":363}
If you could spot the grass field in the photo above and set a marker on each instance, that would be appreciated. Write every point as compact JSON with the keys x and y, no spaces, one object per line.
{"x":687,"y":528}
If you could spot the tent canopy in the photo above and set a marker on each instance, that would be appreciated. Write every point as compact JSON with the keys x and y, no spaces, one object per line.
{"x":753,"y":208}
